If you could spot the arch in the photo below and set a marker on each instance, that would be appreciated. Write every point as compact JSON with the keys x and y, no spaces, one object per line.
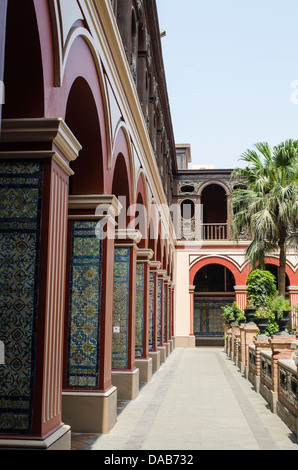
{"x":215,"y":182}
{"x":152,"y":230}
{"x":82,"y":118}
{"x":122,"y":145}
{"x":82,"y":60}
{"x":214,"y":202}
{"x":289,"y":271}
{"x":23,"y":70}
{"x":187,"y":208}
{"x":141,"y":213}
{"x":214,"y":278}
{"x":240,"y":276}
{"x":207,"y":302}
{"x":121,"y":189}
{"x":140,"y":221}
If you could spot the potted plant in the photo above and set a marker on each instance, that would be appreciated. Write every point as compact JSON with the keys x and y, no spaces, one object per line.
{"x":250,"y":311}
{"x":262,"y":318}
{"x":261,"y":286}
{"x":241,"y":318}
{"x":281,"y":308}
{"x":232,"y":313}
{"x":227,"y":314}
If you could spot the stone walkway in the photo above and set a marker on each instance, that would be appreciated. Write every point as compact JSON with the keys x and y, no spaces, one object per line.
{"x":198,"y":400}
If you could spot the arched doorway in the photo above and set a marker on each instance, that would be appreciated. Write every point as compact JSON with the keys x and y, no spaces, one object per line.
{"x":213,"y":288}
{"x":215,"y":212}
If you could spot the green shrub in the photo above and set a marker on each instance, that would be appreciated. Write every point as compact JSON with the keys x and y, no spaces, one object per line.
{"x":232,"y":313}
{"x":261,"y":288}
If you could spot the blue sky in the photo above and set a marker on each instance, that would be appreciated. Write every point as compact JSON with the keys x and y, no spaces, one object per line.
{"x":229,"y":67}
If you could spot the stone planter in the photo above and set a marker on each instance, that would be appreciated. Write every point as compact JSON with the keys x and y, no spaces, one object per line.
{"x":249,"y":314}
{"x":283,"y":323}
{"x":262,"y":324}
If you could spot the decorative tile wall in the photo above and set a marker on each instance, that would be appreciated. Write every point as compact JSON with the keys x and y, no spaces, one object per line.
{"x":85,"y":307}
{"x":169,"y":313}
{"x":140,"y":310}
{"x":120,"y":308}
{"x":164,"y":311}
{"x":20,"y":220}
{"x":151,"y":311}
{"x":159,"y":310}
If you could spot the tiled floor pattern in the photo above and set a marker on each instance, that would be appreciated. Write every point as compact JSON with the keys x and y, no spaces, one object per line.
{"x":198,"y":400}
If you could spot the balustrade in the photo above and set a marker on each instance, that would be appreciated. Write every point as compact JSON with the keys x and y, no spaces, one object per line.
{"x":270,"y":366}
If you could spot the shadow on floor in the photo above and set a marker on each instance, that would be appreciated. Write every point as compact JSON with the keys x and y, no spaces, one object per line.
{"x":84,"y":441}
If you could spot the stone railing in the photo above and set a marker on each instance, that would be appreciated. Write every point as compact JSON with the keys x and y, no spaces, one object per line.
{"x":270,"y":364}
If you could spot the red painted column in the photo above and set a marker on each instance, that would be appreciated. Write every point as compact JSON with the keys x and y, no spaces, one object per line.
{"x":241,"y":296}
{"x":125,"y":375}
{"x":191,"y":294}
{"x":47,"y":145}
{"x":160,"y":315}
{"x":166,"y":315}
{"x":143,"y":361}
{"x":173,"y":311}
{"x":153,"y":351}
{"x":89,"y":399}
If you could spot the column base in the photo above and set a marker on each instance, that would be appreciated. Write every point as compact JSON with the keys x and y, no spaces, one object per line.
{"x":145,"y":368}
{"x":155,"y":356}
{"x":163,"y":353}
{"x":168,"y":348}
{"x":59,"y":440}
{"x":171,"y":341}
{"x":185,"y":342}
{"x":90,"y":412}
{"x":127,"y":383}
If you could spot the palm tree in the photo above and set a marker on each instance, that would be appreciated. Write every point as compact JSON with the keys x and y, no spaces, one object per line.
{"x":265,"y":204}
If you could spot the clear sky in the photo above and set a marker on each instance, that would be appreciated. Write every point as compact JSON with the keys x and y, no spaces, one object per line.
{"x":229,"y":67}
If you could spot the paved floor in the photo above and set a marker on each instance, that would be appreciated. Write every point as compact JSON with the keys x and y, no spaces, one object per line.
{"x":198,"y":400}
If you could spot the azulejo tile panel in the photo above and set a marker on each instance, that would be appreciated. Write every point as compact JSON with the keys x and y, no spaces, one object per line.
{"x":140,"y":310}
{"x":169,"y":313}
{"x":120,"y":308}
{"x":151,"y":310}
{"x":159,"y":311}
{"x":164,"y":311}
{"x":20,"y":220}
{"x":85,"y":307}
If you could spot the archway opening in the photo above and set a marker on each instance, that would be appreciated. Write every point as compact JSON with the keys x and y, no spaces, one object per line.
{"x":82,"y":119}
{"x":23,"y":72}
{"x":214,"y":288}
{"x":140,"y":222}
{"x":120,"y":189}
{"x":215,"y":212}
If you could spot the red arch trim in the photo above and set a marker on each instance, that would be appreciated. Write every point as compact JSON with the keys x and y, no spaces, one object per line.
{"x":240,"y":276}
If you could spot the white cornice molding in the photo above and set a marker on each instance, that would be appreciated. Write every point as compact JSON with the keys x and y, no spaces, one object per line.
{"x":100,"y":203}
{"x":52,"y":130}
